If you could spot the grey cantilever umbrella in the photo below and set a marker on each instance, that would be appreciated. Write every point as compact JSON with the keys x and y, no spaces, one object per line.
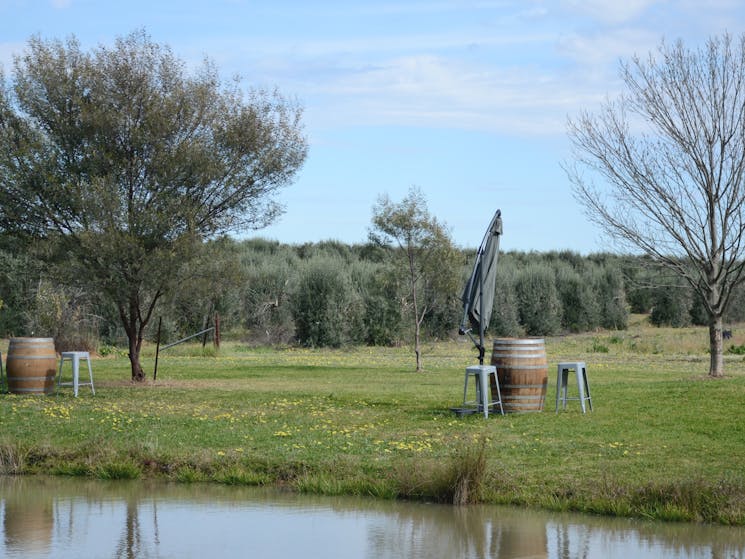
{"x":478,"y":296}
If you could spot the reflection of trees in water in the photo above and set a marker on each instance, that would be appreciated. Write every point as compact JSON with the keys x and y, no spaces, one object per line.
{"x":131,"y":544}
{"x":579,"y":537}
{"x":511,"y":533}
{"x":36,"y":508}
{"x":467,"y":532}
{"x":570,"y":544}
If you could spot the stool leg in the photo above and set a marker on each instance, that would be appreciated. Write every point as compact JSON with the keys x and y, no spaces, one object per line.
{"x":484,"y":381}
{"x":581,"y":388}
{"x":558,"y":386}
{"x":477,"y":385}
{"x":90,"y":373}
{"x":587,"y":387}
{"x":59,"y":373}
{"x":465,"y":390}
{"x":75,"y":374}
{"x":499,"y":392}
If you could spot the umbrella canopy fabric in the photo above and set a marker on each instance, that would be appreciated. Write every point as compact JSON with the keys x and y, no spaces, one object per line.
{"x":478,"y":296}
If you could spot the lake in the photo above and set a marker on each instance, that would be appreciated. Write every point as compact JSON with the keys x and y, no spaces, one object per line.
{"x":71,"y":518}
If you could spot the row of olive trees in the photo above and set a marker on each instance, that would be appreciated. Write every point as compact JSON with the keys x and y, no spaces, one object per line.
{"x":323,"y":294}
{"x":542,"y":295}
{"x":333,"y":294}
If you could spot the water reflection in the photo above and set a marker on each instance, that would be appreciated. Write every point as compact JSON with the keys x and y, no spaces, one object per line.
{"x":59,"y":518}
{"x":28,"y":520}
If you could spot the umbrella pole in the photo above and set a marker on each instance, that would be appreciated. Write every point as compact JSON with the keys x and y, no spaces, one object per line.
{"x":481,"y":311}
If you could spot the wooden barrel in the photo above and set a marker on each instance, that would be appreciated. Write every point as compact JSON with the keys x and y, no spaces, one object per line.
{"x":522,"y":535}
{"x":31,"y":366}
{"x":28,"y":525}
{"x":522,"y":371}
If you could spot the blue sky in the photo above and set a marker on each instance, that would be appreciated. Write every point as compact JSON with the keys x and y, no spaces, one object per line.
{"x":467,"y":100}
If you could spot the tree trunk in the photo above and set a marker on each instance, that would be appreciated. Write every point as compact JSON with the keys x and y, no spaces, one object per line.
{"x":133,"y":328}
{"x":135,"y":343}
{"x":415,"y":303}
{"x":417,"y":329}
{"x":716,"y":365}
{"x":417,"y":349}
{"x":134,"y":322}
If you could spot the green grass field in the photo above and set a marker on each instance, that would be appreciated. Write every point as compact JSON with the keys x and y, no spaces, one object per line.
{"x":663,"y":441}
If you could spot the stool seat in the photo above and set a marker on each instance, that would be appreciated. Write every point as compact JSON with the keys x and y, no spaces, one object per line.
{"x":484,"y":375}
{"x":583,"y":385}
{"x":75,"y":357}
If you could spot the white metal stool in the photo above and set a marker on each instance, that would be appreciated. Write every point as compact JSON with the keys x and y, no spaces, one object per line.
{"x":482,"y":375}
{"x":583,"y":386}
{"x":75,"y":357}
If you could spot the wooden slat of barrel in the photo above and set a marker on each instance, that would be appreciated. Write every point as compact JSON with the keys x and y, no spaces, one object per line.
{"x":522,"y":370}
{"x":31,"y":366}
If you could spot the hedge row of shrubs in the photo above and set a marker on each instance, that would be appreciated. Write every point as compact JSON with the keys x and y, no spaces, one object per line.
{"x":331,"y":294}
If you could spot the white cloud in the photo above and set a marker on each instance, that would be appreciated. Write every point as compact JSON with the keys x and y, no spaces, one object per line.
{"x":436,"y":91}
{"x":608,"y":47}
{"x":610,"y":11}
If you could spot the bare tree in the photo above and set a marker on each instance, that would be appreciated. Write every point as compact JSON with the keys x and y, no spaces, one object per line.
{"x":660,"y":169}
{"x":426,"y":253}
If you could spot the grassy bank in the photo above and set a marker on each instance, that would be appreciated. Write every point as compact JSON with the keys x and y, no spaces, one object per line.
{"x":663,"y":442}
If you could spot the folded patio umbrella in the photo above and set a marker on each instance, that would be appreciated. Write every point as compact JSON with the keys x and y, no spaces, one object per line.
{"x":478,"y":295}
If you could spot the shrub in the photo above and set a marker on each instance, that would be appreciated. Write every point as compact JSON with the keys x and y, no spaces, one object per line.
{"x":579,"y":300}
{"x":697,"y":312}
{"x":538,"y":299}
{"x":123,"y":469}
{"x":671,"y":306}
{"x":609,"y":286}
{"x":266,"y":301}
{"x":324,"y":305}
{"x":736,"y":309}
{"x":598,"y":346}
{"x":505,"y":320}
{"x":381,"y":316}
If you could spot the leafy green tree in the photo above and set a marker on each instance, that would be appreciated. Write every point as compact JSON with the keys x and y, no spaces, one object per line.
{"x":426,"y":255}
{"x":20,"y":272}
{"x":128,"y":162}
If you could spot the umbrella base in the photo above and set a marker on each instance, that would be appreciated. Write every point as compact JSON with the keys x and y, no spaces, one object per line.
{"x":460,"y":412}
